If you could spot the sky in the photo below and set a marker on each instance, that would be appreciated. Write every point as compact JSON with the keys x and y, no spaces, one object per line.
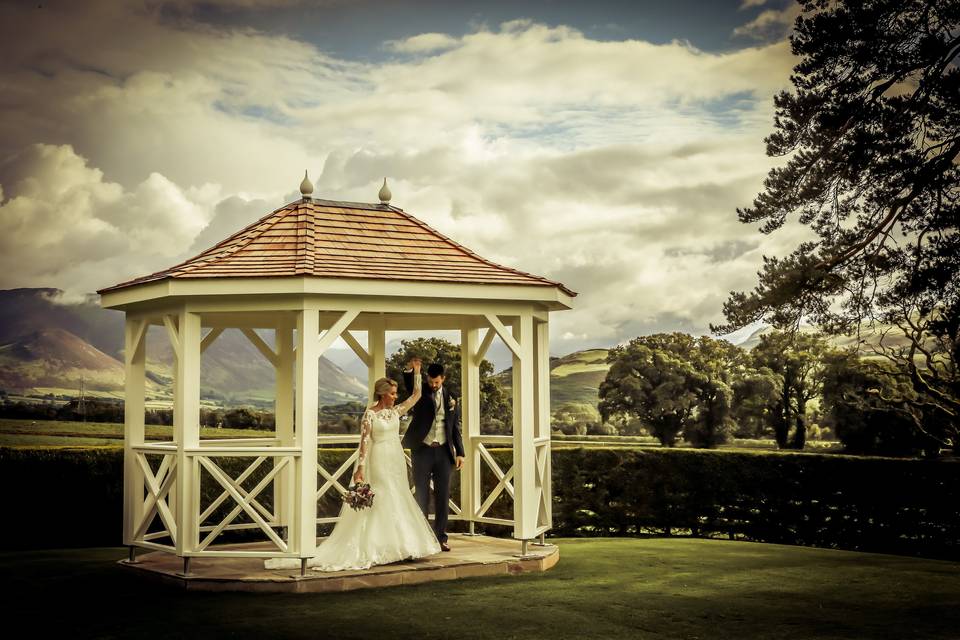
{"x":605,"y":145}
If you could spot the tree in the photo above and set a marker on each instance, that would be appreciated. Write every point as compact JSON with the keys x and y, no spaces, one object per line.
{"x":871,"y":131}
{"x":495,"y":409}
{"x":675,"y":384}
{"x":717,"y":365}
{"x":796,"y":359}
{"x":863,"y":401}
{"x":755,"y":402}
{"x":574,"y":418}
{"x":648,"y":378}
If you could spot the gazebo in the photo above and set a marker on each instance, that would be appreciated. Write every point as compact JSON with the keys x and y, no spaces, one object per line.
{"x":314,"y":271}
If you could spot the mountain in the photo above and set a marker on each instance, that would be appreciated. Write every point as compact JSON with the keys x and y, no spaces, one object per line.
{"x":575,"y":377}
{"x":47,"y":346}
{"x":891,"y":335}
{"x":55,"y":361}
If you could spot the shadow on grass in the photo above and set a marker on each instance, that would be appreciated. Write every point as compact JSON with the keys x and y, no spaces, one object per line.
{"x":602,"y":588}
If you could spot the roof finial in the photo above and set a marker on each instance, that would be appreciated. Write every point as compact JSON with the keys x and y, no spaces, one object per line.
{"x":306,"y":187}
{"x":385,"y":194}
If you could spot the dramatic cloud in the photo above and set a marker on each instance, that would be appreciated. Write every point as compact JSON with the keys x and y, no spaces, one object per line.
{"x":772,"y":24}
{"x":136,"y":138}
{"x":68,"y":227}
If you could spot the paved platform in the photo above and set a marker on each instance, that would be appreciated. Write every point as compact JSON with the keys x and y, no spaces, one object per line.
{"x":469,"y":557}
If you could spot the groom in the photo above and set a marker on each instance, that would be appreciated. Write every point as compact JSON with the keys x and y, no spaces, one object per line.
{"x":435,"y":443}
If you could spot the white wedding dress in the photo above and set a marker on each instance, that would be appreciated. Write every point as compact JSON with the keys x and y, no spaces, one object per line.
{"x":391,"y":530}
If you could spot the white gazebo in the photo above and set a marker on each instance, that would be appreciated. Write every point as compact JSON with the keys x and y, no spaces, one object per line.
{"x":314,"y":271}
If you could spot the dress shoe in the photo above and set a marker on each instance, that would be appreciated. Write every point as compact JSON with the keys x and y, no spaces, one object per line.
{"x":444,"y":546}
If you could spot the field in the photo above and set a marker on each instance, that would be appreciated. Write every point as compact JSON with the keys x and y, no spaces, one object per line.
{"x":54,"y":433}
{"x":14,"y":432}
{"x":602,"y":588}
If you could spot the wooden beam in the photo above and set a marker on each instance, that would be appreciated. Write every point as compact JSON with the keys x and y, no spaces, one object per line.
{"x":172,"y":333}
{"x":334,"y":332}
{"x":525,"y":502}
{"x":133,"y":423}
{"x":505,"y":335}
{"x":209,"y":338}
{"x":262,"y":346}
{"x":485,"y":344}
{"x":358,"y":349}
{"x":303,"y":532}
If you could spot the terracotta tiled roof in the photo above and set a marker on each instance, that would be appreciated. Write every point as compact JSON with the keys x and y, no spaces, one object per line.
{"x":331,"y":239}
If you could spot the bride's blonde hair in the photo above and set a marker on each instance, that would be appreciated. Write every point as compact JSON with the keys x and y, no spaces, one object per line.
{"x":382,"y":387}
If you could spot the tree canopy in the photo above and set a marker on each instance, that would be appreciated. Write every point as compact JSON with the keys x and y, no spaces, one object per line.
{"x":676,"y":385}
{"x":871,"y":136}
{"x":495,"y":408}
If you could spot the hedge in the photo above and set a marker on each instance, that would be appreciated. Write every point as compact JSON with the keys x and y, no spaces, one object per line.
{"x":73,"y":497}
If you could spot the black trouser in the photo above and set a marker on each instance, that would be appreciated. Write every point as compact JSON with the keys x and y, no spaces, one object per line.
{"x":433,"y":463}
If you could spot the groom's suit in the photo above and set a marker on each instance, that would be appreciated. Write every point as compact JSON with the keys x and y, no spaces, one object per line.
{"x":433,"y":462}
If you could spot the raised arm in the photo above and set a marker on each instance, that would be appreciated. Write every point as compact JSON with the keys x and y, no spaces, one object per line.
{"x":407,"y":404}
{"x":366,"y":429}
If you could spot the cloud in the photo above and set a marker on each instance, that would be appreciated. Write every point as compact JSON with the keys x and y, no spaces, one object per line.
{"x":423,"y":43}
{"x":771,"y":24}
{"x":65,"y":225}
{"x":612,"y":166}
{"x":746,"y":4}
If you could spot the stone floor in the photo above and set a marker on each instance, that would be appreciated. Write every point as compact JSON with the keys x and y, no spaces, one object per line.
{"x":470,"y":556}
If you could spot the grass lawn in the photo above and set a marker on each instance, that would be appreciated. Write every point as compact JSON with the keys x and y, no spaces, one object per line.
{"x":32,"y":433}
{"x":24,"y":433}
{"x":602,"y":588}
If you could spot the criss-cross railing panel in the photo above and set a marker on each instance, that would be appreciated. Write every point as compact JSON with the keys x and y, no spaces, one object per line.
{"x":504,"y":485}
{"x":246,"y":501}
{"x":158,"y":486}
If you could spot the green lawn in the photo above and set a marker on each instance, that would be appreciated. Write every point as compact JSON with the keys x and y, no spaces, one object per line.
{"x":54,"y":433}
{"x":17,"y":432}
{"x":602,"y":588}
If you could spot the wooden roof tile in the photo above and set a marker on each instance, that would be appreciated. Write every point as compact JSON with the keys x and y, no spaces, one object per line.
{"x":333,"y":239}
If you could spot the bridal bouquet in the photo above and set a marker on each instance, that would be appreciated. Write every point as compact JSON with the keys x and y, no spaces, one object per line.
{"x":359,"y":496}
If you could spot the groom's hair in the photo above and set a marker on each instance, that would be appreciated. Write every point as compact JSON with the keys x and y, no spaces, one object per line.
{"x":434,"y":370}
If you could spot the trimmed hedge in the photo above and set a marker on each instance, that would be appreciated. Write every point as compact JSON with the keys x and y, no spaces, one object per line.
{"x":909,"y":507}
{"x":73,"y":497}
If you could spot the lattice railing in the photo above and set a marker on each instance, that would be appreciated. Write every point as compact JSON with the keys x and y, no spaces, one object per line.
{"x":503,"y":478}
{"x":158,"y":486}
{"x":338,"y":479}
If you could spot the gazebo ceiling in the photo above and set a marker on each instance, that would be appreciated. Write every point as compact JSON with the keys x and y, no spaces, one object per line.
{"x":343,"y":240}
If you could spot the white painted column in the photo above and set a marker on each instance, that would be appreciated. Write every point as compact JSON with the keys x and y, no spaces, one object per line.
{"x":186,"y":429}
{"x":542,"y":431}
{"x":377,"y":348}
{"x":304,"y":534}
{"x":524,"y":455}
{"x":284,"y":484}
{"x":134,"y":355}
{"x":470,"y":417}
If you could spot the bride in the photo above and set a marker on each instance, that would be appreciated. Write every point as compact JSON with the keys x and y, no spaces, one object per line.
{"x":393,"y":528}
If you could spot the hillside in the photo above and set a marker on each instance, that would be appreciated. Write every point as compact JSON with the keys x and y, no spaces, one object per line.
{"x":47,"y":346}
{"x":891,"y":335}
{"x":575,"y":377}
{"x":55,"y":360}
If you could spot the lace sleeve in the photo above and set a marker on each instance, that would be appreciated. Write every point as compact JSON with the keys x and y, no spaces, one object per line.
{"x":405,"y":406}
{"x":366,"y":428}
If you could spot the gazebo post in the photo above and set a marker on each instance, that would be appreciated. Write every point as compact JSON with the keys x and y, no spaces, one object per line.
{"x":470,"y":418}
{"x":377,"y":348}
{"x":308,"y":355}
{"x":283,"y":487}
{"x":186,"y":426}
{"x":524,"y":449}
{"x":542,"y":431}
{"x":134,"y":355}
